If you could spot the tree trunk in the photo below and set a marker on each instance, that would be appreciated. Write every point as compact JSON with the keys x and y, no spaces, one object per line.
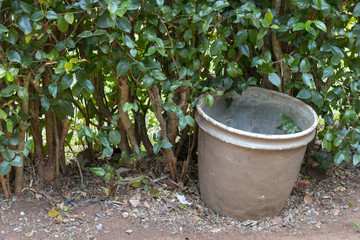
{"x":19,"y":171}
{"x":157,"y":107}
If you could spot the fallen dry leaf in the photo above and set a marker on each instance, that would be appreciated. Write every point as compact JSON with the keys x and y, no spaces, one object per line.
{"x":53,"y":213}
{"x":75,"y":216}
{"x":340,"y":189}
{"x":307,"y":199}
{"x":303,"y":183}
{"x":123,"y":170}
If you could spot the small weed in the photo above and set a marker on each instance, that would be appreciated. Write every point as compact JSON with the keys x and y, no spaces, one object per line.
{"x":357,"y":225}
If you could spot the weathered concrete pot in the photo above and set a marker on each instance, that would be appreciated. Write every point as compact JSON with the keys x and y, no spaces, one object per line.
{"x":247,"y":167}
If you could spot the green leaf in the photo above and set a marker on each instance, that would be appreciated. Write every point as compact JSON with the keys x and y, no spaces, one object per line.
{"x":261,"y":34}
{"x":24,"y":24}
{"x":3,"y":114}
{"x":53,"y":89}
{"x":14,"y":56}
{"x":5,"y":168}
{"x":321,"y":25}
{"x":89,"y":132}
{"x":129,"y":42}
{"x":326,"y":144}
{"x":240,"y":37}
{"x":9,"y":125}
{"x":308,"y":79}
{"x":23,"y":93}
{"x":209,"y":100}
{"x":269,"y":17}
{"x":8,"y":155}
{"x":328,"y":72}
{"x":17,"y":162}
{"x":124,"y":24}
{"x":68,"y":66}
{"x":299,"y":26}
{"x":220,"y":5}
{"x":304,"y":94}
{"x":45,"y":103}
{"x":147,"y":80}
{"x":37,"y":16}
{"x":85,"y":34}
{"x":244,"y":49}
{"x":188,"y":35}
{"x":98,"y":171}
{"x":62,"y":24}
{"x":356,"y":12}
{"x":26,"y":60}
{"x":108,"y":152}
{"x":356,"y":159}
{"x":122,"y":68}
{"x":69,"y":17}
{"x":305,"y":66}
{"x":87,"y":85}
{"x":165,"y":144}
{"x":232,"y":69}
{"x":216,"y":47}
{"x":275,"y":79}
{"x":52,"y":55}
{"x":156,"y":148}
{"x":341,"y":156}
{"x":158,"y":75}
{"x":63,"y":108}
{"x":51,"y":15}
{"x":317,"y":99}
{"x":114,"y":137}
{"x":160,"y":2}
{"x":3,"y":29}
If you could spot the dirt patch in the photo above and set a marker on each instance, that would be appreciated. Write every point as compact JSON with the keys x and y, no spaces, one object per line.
{"x":318,"y":208}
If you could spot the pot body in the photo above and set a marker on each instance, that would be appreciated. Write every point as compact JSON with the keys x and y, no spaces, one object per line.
{"x":247,"y":167}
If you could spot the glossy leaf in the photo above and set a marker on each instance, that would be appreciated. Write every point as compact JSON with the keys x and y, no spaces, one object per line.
{"x":114,"y":137}
{"x":17,"y":162}
{"x":4,"y":168}
{"x":275,"y":79}
{"x":14,"y":56}
{"x":122,"y":68}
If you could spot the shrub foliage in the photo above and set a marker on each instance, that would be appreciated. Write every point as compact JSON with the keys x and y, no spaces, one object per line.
{"x":98,"y":70}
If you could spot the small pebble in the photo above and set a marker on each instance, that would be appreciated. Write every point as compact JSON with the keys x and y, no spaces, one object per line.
{"x":129,"y":231}
{"x":99,"y":227}
{"x":22,"y":213}
{"x":242,"y":232}
{"x":345,"y":207}
{"x":335,"y":220}
{"x":125,"y":214}
{"x":146,"y":226}
{"x":18,"y":229}
{"x":146,"y":219}
{"x":146,"y":204}
{"x":355,"y":209}
{"x":96,"y":219}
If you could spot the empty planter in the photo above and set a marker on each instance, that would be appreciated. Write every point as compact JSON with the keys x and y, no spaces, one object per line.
{"x":247,"y":167}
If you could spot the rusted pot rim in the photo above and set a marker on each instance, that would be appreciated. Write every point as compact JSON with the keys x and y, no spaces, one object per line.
{"x":260,"y":136}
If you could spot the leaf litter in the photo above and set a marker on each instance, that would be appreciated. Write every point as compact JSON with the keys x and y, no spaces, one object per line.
{"x":177,"y":208}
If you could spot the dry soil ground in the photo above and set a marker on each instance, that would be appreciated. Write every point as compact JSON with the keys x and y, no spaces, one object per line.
{"x":326,"y":207}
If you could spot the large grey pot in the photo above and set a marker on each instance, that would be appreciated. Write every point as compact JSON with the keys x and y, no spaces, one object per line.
{"x":247,"y":167}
